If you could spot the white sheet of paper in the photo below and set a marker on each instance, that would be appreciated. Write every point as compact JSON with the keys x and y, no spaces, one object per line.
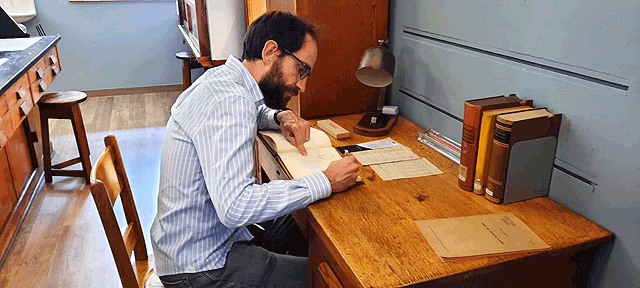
{"x":384,"y":155}
{"x":17,"y":44}
{"x":378,"y":144}
{"x":406,"y":169}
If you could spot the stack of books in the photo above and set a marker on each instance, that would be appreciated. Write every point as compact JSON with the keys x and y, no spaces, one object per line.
{"x":508,"y":148}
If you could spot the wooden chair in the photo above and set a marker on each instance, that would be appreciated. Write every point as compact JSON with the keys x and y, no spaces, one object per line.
{"x":108,"y":180}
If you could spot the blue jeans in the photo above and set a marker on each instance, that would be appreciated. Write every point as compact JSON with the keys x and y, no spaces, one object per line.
{"x":247,"y":266}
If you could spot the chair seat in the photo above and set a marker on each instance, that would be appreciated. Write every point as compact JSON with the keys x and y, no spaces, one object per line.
{"x":62,"y":98}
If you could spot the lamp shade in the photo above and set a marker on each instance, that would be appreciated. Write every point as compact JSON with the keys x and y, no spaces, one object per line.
{"x":376,"y":67}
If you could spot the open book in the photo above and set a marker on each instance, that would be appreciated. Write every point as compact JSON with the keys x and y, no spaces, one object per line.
{"x":319,"y":152}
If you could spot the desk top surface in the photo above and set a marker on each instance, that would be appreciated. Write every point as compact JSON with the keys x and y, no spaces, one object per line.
{"x":372,"y":226}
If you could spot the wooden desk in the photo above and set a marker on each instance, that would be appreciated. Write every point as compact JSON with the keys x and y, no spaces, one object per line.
{"x":367,"y":237}
{"x":23,"y":79}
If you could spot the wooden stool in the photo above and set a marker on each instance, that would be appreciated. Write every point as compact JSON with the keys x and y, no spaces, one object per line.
{"x":188,"y":62}
{"x":64,"y":105}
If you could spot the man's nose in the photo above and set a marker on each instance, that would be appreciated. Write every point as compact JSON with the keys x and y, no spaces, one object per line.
{"x":302,"y":84}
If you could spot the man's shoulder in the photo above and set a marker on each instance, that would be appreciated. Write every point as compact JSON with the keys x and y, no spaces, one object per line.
{"x":223,"y":83}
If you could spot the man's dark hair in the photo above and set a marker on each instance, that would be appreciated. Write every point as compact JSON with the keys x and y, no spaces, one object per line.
{"x":286,"y":29}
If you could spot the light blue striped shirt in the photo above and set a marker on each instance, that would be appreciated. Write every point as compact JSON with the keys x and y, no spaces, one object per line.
{"x":208,"y":192}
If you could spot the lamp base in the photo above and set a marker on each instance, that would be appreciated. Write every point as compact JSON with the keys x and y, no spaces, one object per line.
{"x":382,"y":126}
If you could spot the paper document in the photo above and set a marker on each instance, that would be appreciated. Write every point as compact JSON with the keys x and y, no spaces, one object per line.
{"x":479,"y":235}
{"x":17,"y":44}
{"x":406,"y":169}
{"x":320,"y":153}
{"x":384,"y":143}
{"x":385,"y":155}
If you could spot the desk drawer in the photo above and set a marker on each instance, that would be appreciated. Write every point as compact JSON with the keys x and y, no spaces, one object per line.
{"x":17,"y":91}
{"x":41,"y":85}
{"x":269,"y":163}
{"x":43,"y":73}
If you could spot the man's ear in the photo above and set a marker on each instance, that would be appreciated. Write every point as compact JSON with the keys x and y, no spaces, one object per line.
{"x":270,"y":52}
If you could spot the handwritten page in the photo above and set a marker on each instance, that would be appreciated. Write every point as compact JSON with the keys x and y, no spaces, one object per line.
{"x":405,"y":169}
{"x":316,"y":160}
{"x":385,"y":155}
{"x":479,"y":235}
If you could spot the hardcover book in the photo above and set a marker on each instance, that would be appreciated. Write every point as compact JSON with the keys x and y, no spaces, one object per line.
{"x":319,"y":152}
{"x":471,"y":132}
{"x":487,"y":126}
{"x":522,"y":154}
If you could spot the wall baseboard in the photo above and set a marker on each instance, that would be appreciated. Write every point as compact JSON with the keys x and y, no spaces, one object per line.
{"x":133,"y":90}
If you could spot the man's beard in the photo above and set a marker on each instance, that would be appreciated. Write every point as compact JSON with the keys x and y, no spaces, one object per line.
{"x":273,"y":87}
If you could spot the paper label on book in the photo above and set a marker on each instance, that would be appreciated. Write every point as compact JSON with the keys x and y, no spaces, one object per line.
{"x":477,"y":186}
{"x":489,"y":192}
{"x":463,"y":173}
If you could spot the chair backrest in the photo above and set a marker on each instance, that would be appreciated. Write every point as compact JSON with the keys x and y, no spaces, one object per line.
{"x":108,"y":181}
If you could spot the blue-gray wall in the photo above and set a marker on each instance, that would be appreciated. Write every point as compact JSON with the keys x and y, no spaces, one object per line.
{"x":575,"y":57}
{"x":108,"y":45}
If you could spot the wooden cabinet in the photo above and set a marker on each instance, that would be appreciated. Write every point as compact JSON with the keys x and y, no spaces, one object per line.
{"x":29,"y":74}
{"x":345,"y":30}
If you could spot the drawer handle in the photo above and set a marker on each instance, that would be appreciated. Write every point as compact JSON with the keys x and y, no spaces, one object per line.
{"x":40,"y":73}
{"x":3,"y":139}
{"x":25,"y":108}
{"x":55,"y":70}
{"x":21,"y":93}
{"x":43,"y":86}
{"x":54,"y":59}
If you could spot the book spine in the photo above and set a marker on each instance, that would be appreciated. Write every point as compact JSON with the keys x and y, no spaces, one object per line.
{"x":470,"y":127}
{"x":484,"y":152}
{"x":498,"y":162}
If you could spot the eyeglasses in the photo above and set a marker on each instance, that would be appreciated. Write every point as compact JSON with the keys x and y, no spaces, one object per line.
{"x":306,"y":69}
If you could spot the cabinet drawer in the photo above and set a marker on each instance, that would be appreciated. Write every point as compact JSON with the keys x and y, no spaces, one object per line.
{"x":17,"y":91}
{"x":52,"y":59}
{"x":6,"y":129}
{"x":37,"y":72}
{"x":39,"y":86}
{"x":19,"y":112}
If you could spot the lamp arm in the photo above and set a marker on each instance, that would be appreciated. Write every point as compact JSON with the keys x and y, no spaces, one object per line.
{"x":382,"y":92}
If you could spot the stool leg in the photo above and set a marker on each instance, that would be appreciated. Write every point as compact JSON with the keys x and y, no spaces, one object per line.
{"x":46,"y":146}
{"x":186,"y":74}
{"x":81,"y":140}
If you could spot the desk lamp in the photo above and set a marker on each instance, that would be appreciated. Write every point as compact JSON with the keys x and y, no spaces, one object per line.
{"x":376,"y":70}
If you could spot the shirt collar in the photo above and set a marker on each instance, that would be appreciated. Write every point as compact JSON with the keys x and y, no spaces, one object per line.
{"x":246,"y":80}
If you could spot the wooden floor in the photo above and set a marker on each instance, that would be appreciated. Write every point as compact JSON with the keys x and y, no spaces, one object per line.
{"x":61,"y":242}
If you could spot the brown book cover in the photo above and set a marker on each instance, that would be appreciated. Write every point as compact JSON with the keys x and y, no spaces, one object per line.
{"x":510,"y":129}
{"x":471,"y":132}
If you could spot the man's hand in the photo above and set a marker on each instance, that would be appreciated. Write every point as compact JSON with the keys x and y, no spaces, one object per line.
{"x":342,"y":173}
{"x":295,"y":129}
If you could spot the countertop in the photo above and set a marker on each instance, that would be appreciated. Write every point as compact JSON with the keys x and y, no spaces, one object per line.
{"x":18,"y":62}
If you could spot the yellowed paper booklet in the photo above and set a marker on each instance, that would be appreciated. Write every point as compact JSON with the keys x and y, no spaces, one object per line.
{"x":319,"y":152}
{"x":479,"y":235}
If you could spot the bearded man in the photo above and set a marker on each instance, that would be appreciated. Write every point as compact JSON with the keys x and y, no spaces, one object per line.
{"x":208,"y":193}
